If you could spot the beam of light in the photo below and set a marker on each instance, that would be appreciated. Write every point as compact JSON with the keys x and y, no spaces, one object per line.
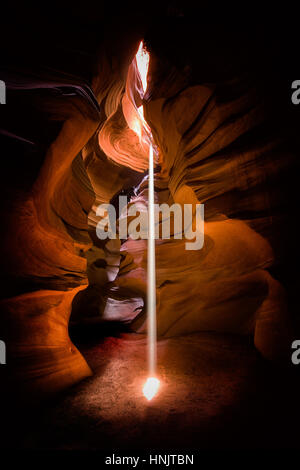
{"x":152,"y":384}
{"x":151,"y":281}
{"x":151,"y":387}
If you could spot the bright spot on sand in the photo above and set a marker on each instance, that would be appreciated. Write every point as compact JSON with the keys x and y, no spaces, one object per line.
{"x":151,"y":387}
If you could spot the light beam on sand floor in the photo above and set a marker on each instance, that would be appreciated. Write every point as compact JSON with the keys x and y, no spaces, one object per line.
{"x":152,"y":384}
{"x":150,"y":387}
{"x":151,"y":281}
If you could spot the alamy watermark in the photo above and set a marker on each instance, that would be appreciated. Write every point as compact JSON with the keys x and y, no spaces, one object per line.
{"x":296,"y":354}
{"x":295,"y":97}
{"x":187,"y":222}
{"x":2,"y":352}
{"x":2,"y":92}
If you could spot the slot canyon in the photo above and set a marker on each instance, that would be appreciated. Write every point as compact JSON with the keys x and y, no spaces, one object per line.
{"x":74,"y":307}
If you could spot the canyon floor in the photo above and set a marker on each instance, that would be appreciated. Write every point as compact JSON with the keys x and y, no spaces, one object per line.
{"x":216,"y":393}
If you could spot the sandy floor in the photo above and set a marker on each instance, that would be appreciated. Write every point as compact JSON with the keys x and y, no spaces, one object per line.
{"x":216,"y":392}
